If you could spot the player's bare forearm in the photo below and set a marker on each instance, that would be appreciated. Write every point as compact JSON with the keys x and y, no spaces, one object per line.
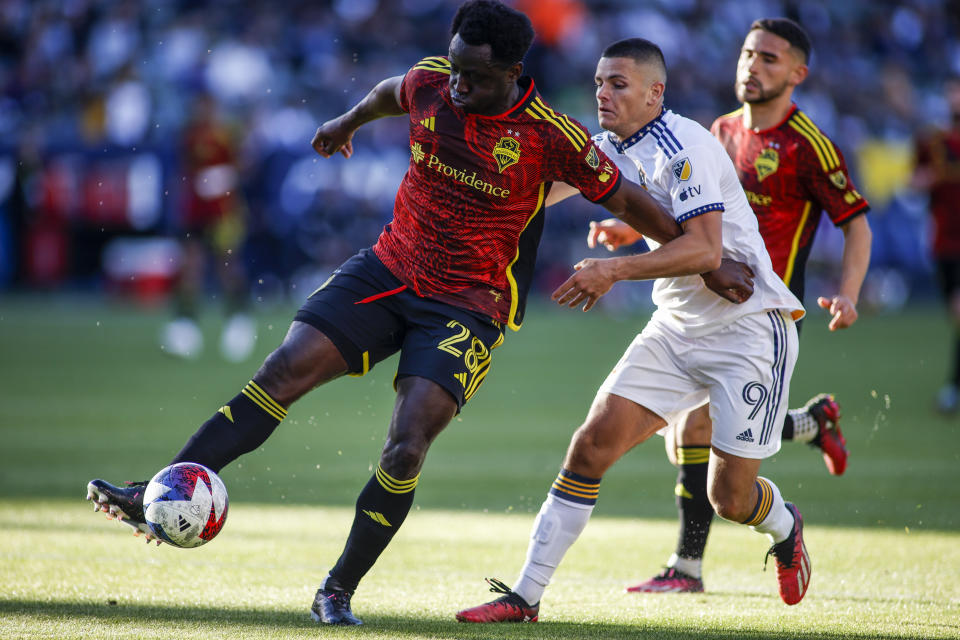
{"x":857,"y":242}
{"x":632,"y":204}
{"x":382,"y":101}
{"x":336,"y":135}
{"x":855,"y":262}
{"x":697,"y":250}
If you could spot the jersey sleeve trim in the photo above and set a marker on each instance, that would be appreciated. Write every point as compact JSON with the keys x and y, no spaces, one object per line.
{"x":853,"y":213}
{"x":609,"y":191}
{"x":699,"y":211}
{"x":434,"y":63}
{"x":829,"y":160}
{"x":540,"y":111}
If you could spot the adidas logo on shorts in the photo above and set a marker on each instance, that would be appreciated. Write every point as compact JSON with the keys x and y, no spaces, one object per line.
{"x":746,"y":436}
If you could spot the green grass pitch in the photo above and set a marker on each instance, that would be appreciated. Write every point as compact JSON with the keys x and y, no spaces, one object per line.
{"x":86,"y":393}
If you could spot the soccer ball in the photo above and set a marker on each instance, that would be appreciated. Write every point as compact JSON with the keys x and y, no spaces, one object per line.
{"x":185,"y":504}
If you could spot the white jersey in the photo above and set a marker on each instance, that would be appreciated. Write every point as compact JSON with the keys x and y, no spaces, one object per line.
{"x":689,"y":173}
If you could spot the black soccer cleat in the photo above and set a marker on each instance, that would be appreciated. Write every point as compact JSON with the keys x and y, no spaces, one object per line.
{"x":124,"y":504}
{"x":332,"y":606}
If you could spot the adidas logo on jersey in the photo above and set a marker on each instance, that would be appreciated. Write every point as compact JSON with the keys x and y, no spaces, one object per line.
{"x":746,"y":436}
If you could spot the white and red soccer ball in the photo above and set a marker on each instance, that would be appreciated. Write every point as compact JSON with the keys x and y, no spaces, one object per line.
{"x":185,"y":504}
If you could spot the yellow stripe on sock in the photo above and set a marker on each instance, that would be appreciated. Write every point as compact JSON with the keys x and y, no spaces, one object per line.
{"x":260,"y":402}
{"x":693,"y":455}
{"x":265,"y":398}
{"x":764,"y":503}
{"x":393,"y":485}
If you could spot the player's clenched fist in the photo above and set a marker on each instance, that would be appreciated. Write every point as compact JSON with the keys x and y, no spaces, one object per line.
{"x":332,"y":136}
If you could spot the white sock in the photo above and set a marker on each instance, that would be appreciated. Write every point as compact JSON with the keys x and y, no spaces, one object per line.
{"x":691,"y":566}
{"x":771,"y":515}
{"x":558,"y":525}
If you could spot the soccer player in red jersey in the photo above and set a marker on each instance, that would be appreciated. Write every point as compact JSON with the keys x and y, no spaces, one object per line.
{"x":790,"y":172}
{"x":938,"y":173}
{"x":446,"y":275}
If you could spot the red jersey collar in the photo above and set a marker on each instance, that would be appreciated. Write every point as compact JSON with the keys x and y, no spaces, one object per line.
{"x":527,"y":97}
{"x":793,"y":109}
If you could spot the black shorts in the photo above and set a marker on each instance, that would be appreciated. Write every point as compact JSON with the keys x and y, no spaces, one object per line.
{"x":948,"y":272}
{"x":370,"y":315}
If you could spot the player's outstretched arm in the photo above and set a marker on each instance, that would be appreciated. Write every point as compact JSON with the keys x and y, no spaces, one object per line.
{"x":697,"y":250}
{"x":632,"y":204}
{"x":857,"y":239}
{"x":337,"y":134}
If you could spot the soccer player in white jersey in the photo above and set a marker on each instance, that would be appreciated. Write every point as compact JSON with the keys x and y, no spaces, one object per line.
{"x":696,"y":347}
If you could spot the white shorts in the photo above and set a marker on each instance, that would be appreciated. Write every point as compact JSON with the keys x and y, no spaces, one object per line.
{"x":743,"y":370}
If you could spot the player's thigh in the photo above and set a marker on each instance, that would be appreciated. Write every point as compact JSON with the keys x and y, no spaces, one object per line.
{"x":613,"y":426}
{"x":748,"y":366}
{"x":450,"y":346}
{"x":355,"y":308}
{"x":653,"y":372}
{"x":695,"y":428}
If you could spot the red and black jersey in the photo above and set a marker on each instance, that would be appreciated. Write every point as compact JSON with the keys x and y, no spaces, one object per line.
{"x":790,"y":173}
{"x":940,"y":153}
{"x":468,"y":215}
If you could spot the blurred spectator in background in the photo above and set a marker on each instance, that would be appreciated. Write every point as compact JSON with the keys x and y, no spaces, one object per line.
{"x":212,"y":229}
{"x":938,"y":173}
{"x":105,"y":87}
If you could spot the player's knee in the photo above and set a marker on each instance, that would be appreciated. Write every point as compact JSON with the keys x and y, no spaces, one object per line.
{"x":587,"y":455}
{"x":729,"y":505}
{"x":283,"y":376}
{"x":403,"y":459}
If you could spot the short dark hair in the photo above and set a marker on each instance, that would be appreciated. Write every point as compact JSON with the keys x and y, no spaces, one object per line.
{"x":641,"y":50}
{"x":507,"y":31}
{"x":789,"y":31}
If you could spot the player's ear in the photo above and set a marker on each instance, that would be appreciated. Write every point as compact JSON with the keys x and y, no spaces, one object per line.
{"x":799,"y":74}
{"x":514,"y":72}
{"x":655,"y":92}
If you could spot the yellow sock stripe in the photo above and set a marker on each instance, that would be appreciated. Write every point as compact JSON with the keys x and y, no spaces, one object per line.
{"x":533,"y":113}
{"x":264,"y":401}
{"x":764,"y":502}
{"x":566,"y":485}
{"x":693,"y":455}
{"x":562,"y":120}
{"x":393,"y":485}
{"x":830,"y":150}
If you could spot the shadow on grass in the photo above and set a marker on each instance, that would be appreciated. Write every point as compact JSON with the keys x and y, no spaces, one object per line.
{"x":391,"y":626}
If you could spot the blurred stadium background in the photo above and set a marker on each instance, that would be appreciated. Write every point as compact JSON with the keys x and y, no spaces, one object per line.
{"x":96,"y":107}
{"x":98,"y":96}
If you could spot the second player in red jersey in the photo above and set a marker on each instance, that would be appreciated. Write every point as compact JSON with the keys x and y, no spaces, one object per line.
{"x":790,"y":172}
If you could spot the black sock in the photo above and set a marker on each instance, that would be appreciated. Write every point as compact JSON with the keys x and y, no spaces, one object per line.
{"x":693,"y":505}
{"x":238,"y":427}
{"x":382,"y":507}
{"x":787,"y":428}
